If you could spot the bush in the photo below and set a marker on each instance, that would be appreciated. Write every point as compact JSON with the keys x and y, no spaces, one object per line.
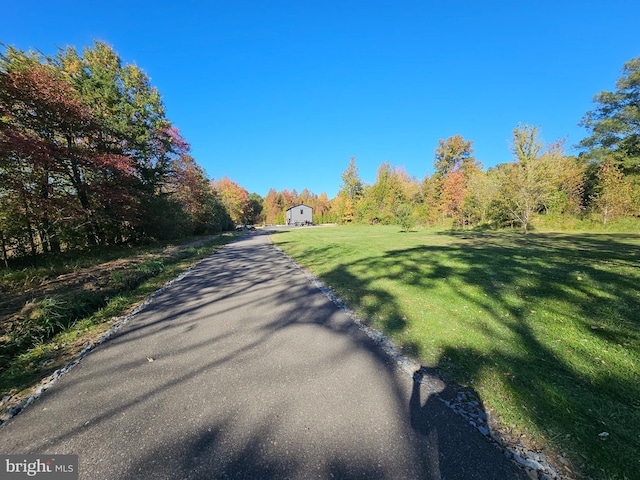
{"x":405,"y":217}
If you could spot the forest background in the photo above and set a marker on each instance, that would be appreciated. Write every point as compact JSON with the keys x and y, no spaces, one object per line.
{"x":88,"y":158}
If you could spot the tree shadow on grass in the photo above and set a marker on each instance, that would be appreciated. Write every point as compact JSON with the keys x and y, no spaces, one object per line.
{"x":582,"y":289}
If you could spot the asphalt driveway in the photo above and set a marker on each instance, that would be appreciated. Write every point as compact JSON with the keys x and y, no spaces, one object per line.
{"x":243,"y":369}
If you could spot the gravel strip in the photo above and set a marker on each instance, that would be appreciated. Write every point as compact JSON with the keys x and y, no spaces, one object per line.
{"x":47,"y":382}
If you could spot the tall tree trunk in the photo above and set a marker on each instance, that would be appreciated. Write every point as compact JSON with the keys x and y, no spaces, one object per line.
{"x":28,"y":225}
{"x":50,"y":242}
{"x":47,"y":232}
{"x":81,"y":188}
{"x":5,"y":256}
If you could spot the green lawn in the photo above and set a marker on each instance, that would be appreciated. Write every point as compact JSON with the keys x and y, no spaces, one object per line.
{"x":545,"y":327}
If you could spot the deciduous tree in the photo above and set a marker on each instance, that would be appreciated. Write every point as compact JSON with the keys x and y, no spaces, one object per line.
{"x":615,"y":192}
{"x":200,"y":203}
{"x":87,"y":155}
{"x":454,"y":153}
{"x":321,"y":208}
{"x":567,"y":175}
{"x":483,"y":188}
{"x":254,"y":209}
{"x":49,"y":135}
{"x":452,"y":195}
{"x":352,"y":186}
{"x":524,"y":184}
{"x":273,"y":207}
{"x":454,"y":166}
{"x":234,"y":197}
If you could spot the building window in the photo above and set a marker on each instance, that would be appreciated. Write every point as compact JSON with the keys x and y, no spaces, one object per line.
{"x":301,"y":212}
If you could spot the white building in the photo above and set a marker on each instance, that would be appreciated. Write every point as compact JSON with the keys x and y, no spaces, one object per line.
{"x":299,"y":215}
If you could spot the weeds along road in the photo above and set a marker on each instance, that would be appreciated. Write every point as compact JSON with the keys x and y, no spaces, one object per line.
{"x":243,"y":369}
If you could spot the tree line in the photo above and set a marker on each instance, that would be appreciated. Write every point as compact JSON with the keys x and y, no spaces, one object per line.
{"x":252,"y":209}
{"x":542,"y":182}
{"x":89,"y":158}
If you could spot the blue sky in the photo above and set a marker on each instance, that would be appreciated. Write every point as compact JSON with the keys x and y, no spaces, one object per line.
{"x":281,"y":94}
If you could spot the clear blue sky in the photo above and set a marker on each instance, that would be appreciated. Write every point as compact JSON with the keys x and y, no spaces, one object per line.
{"x":281,"y":94}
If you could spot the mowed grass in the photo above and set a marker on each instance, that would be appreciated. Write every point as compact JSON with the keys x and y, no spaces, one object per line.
{"x":545,"y":327}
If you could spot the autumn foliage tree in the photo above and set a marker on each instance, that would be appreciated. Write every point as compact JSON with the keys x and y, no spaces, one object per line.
{"x":88,"y":157}
{"x":234,"y":197}
{"x":205,"y":212}
{"x":541,"y":185}
{"x":273,"y":207}
{"x":69,"y":188}
{"x":614,"y":196}
{"x":483,"y":190}
{"x":455,"y":166}
{"x":453,"y":192}
{"x":321,"y":208}
{"x":540,"y":180}
{"x":380,"y":202}
{"x":351,"y":190}
{"x":352,"y":185}
{"x":454,"y":153}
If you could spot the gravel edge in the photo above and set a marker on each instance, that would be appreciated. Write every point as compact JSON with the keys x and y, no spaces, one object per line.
{"x":50,"y":380}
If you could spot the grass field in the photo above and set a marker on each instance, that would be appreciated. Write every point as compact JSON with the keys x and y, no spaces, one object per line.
{"x":545,"y":327}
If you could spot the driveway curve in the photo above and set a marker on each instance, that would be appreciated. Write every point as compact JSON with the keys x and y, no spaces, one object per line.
{"x":244,"y":369}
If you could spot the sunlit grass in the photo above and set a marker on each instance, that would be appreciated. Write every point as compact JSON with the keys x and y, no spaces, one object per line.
{"x":545,"y":326}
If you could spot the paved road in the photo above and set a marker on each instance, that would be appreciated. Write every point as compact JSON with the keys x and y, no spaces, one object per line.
{"x":255,"y":375}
